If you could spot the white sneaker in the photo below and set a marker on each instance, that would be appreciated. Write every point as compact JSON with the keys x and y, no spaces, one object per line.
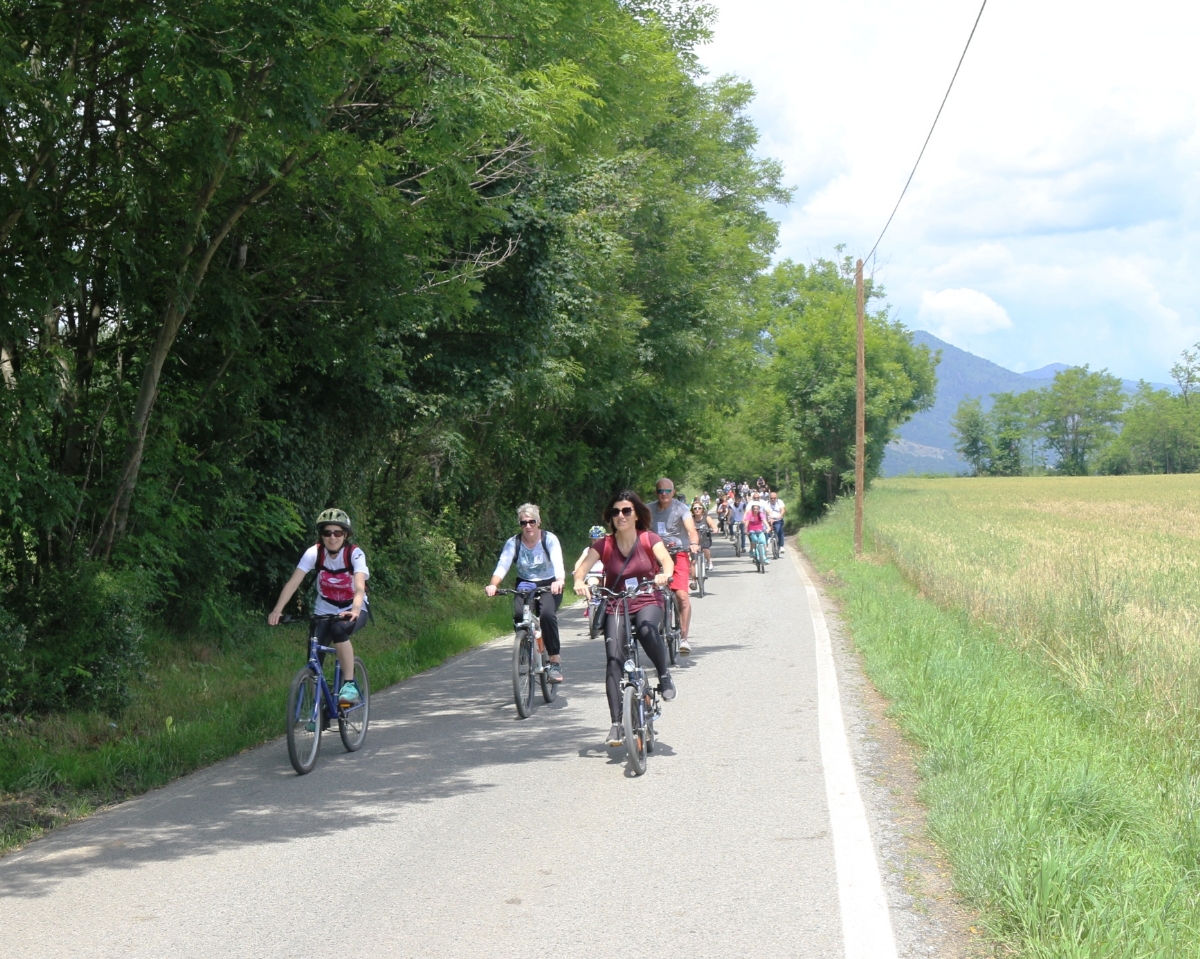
{"x":684,"y":646}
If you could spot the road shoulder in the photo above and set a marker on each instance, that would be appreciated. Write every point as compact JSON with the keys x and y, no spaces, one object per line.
{"x":928,"y":917}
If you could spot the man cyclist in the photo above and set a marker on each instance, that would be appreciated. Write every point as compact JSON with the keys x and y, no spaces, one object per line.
{"x":670,"y":519}
{"x":705,"y":526}
{"x":737,"y":520}
{"x":342,"y":576}
{"x":775,"y":513}
{"x":539,"y":560}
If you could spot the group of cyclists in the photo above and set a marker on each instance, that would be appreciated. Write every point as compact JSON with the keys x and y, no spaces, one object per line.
{"x":637,"y":544}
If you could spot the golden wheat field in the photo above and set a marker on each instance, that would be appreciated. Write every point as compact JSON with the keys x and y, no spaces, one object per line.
{"x":1100,"y":575}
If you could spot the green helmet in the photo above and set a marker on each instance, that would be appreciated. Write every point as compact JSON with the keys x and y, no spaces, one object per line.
{"x":337,"y":517}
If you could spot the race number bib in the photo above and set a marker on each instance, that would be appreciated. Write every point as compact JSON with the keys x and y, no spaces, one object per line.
{"x":662,"y":529}
{"x":631,"y":583}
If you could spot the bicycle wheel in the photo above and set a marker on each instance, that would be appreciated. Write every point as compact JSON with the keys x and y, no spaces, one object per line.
{"x":635,"y":743}
{"x":774,"y":547}
{"x":701,"y":573}
{"x":648,"y":712}
{"x":673,"y":631}
{"x":352,"y":722}
{"x":737,"y":547}
{"x":760,"y":557}
{"x":549,"y":689}
{"x":303,"y":721}
{"x":522,"y":675}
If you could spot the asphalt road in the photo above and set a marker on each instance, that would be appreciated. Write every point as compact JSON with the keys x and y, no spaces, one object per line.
{"x":461,"y":830}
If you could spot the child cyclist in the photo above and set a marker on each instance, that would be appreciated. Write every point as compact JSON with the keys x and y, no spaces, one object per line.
{"x":341,"y":591}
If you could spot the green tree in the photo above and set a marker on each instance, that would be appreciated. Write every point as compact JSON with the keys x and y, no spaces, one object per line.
{"x":1080,"y":413}
{"x":973,"y":435}
{"x":1009,"y":421}
{"x":1160,"y":433}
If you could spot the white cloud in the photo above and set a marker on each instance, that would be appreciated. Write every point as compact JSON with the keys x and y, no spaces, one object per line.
{"x":958,"y":315}
{"x":1063,"y":177}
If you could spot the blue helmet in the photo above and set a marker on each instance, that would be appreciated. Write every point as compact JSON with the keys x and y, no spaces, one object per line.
{"x":596,"y":532}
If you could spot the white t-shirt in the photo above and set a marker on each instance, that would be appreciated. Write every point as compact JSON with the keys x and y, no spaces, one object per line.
{"x":774,"y":510}
{"x":334,"y":563}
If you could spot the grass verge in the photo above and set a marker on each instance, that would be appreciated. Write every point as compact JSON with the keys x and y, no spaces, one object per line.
{"x":202,"y":701}
{"x":1074,"y":830}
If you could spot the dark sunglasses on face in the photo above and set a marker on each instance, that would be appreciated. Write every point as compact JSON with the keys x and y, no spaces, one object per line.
{"x":664,"y":492}
{"x":621,"y":511}
{"x":528,"y":522}
{"x":335,"y":533}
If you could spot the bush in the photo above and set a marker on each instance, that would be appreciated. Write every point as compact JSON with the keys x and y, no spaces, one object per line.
{"x":12,"y":657}
{"x":86,"y":642}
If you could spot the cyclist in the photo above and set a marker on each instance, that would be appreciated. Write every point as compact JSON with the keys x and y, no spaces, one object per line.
{"x":705,"y":500}
{"x":632,"y":554}
{"x":539,"y":559}
{"x":722,"y":513}
{"x":775,"y":513}
{"x":737,"y":519}
{"x":594,"y":575}
{"x":756,"y":526}
{"x":672,"y":521}
{"x":705,"y":526}
{"x":761,"y":485}
{"x":342,"y":576}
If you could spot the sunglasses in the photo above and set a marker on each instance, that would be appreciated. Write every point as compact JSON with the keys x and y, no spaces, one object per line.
{"x":528,"y":522}
{"x":621,"y":511}
{"x":333,"y":533}
{"x":665,"y":492}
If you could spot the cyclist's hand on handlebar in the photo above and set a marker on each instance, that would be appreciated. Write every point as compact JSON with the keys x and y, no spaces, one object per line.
{"x":556,"y":587}
{"x":662,"y":579}
{"x":273,"y":617}
{"x":582,"y":589}
{"x":490,"y":589}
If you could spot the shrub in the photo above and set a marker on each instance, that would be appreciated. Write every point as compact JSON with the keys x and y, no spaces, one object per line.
{"x":85,"y":645}
{"x":12,"y":657}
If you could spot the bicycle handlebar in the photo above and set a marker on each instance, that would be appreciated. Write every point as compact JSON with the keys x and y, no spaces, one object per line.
{"x":323,"y":618}
{"x":641,"y":589}
{"x":538,"y":591}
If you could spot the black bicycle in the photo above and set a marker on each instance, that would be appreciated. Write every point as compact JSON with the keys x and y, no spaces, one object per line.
{"x":529,"y":654}
{"x":735,"y":534}
{"x":640,"y":701}
{"x":311,"y":703}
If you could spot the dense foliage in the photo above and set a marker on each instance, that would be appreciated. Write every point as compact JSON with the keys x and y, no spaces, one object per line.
{"x":1084,"y":423}
{"x":793,"y":421}
{"x":424,"y":261}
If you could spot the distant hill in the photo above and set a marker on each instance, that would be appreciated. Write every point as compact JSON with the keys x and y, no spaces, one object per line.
{"x":925,"y":443}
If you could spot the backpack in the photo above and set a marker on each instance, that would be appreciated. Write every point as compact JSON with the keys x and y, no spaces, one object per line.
{"x":336,"y":587}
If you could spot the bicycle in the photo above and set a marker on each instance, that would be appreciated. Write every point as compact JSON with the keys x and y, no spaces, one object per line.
{"x":673,"y":621}
{"x":774,"y":544}
{"x":758,"y":551}
{"x":640,"y":702}
{"x":529,"y":654}
{"x":595,"y":613}
{"x":311,"y":703}
{"x":701,"y":572}
{"x":736,"y":536}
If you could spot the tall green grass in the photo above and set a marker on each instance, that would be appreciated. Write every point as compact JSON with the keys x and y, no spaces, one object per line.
{"x":202,"y":700}
{"x":1074,"y":828}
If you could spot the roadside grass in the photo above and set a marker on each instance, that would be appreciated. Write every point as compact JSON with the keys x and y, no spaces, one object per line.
{"x":202,"y":701}
{"x":1070,"y":820}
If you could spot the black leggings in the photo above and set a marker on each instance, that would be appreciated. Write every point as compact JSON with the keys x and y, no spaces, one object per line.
{"x":647,"y":624}
{"x":547,"y":613}
{"x":330,"y":632}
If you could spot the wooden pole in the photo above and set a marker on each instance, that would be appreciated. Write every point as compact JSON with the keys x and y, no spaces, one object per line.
{"x":860,"y":417}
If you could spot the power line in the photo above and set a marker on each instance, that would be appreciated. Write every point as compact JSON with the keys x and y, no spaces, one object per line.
{"x":931,"y":129}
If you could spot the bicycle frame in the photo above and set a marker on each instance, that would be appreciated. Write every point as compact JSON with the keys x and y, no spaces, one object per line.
{"x":315,"y":650}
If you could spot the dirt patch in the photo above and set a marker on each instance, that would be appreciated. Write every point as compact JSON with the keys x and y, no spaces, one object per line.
{"x":929,"y":918}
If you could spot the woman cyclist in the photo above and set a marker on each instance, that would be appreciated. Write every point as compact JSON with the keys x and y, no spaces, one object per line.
{"x":757,"y":526}
{"x":539,"y":563}
{"x":705,"y":527}
{"x":632,"y":554}
{"x":342,"y":576}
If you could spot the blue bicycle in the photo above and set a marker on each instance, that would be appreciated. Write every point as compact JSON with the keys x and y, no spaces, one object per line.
{"x":311,"y":703}
{"x":758,"y":550}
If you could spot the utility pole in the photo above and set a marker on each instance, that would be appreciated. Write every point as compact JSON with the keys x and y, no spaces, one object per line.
{"x":860,"y":416}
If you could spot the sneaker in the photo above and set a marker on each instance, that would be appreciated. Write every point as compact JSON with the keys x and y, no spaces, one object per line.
{"x":348,"y":695}
{"x":667,"y":686}
{"x":616,"y":735}
{"x":684,"y":646}
{"x":555,"y":673}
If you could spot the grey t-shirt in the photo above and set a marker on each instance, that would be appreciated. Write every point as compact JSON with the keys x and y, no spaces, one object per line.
{"x":668,"y":523}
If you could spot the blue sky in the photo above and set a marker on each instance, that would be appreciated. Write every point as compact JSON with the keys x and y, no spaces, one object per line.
{"x":1054,"y":217}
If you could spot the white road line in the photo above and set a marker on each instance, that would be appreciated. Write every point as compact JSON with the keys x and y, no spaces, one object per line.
{"x":866,"y":924}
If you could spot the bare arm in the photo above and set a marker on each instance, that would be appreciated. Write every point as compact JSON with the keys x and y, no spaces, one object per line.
{"x":289,"y":590}
{"x":586,"y":562}
{"x":693,"y":536}
{"x":664,"y":559}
